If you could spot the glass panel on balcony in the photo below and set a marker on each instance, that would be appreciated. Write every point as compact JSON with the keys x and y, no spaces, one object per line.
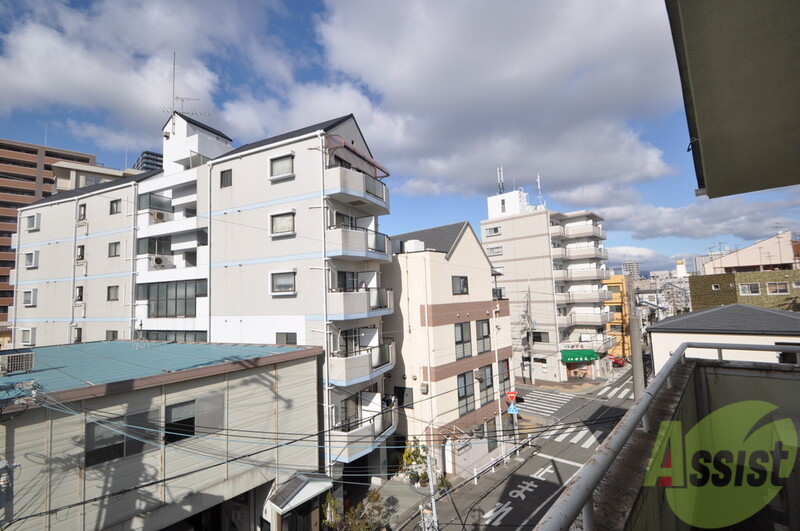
{"x":378,"y":298}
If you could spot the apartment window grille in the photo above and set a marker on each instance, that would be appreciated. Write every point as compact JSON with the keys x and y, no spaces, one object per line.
{"x":777,"y":288}
{"x":282,"y":224}
{"x":494,"y":251}
{"x":112,"y":293}
{"x":112,"y":335}
{"x":119,"y":437}
{"x":486,"y":384}
{"x":115,"y":207}
{"x":286,"y":338}
{"x":226,"y":178}
{"x":493,"y":231}
{"x":463,"y":340}
{"x":284,"y":282}
{"x":750,"y":288}
{"x":466,"y":393}
{"x":82,"y":212}
{"x":78,"y":293}
{"x":460,"y":285}
{"x":281,"y":166}
{"x":29,"y":297}
{"x":79,"y":252}
{"x":113,"y":249}
{"x":483,"y":332}
{"x":32,"y":260}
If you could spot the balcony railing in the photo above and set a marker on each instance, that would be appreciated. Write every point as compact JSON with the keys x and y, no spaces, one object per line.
{"x":578,"y":494}
{"x":584,"y":319}
{"x":350,"y":368}
{"x":361,"y":302}
{"x":576,"y":297}
{"x":577,"y":253}
{"x":356,"y":241}
{"x":356,"y":437}
{"x":585,"y":231}
{"x":347,"y":185}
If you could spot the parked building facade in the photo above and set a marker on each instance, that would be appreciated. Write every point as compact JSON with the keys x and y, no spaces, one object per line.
{"x":779,"y":290}
{"x":453,"y":339}
{"x":273,"y":242}
{"x":618,"y":327}
{"x":552,"y":267}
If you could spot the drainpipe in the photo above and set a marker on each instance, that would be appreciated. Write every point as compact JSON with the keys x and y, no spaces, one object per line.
{"x":495,"y":314}
{"x":135,"y":244}
{"x":210,"y":165}
{"x":73,"y":285}
{"x":326,"y":395}
{"x":14,"y":324}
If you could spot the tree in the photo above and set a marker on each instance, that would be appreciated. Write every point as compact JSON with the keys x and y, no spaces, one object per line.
{"x":415,"y":458}
{"x":371,"y":514}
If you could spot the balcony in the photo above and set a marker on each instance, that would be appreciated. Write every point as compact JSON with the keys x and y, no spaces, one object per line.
{"x":350,"y":368}
{"x":598,"y":343}
{"x":557,"y":231}
{"x":583,"y":297}
{"x":360,"y":304}
{"x":585,"y":231}
{"x":359,"y":190}
{"x":578,"y":253}
{"x":355,"y":243}
{"x":558,"y":253}
{"x":584,"y":319}
{"x":355,"y":438}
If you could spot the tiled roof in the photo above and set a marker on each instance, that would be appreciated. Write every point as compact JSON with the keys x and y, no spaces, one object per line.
{"x":733,"y":319}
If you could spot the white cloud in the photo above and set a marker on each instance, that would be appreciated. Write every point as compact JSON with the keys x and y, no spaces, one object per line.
{"x":648,"y":259}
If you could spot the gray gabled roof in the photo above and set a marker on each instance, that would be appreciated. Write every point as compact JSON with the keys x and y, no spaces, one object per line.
{"x":733,"y":319}
{"x":77,"y":192}
{"x":324,"y":126}
{"x":200,"y":125}
{"x":441,"y":239}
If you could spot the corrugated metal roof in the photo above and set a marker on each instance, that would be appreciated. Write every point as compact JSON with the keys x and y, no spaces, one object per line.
{"x":63,"y":367}
{"x":733,"y":319}
{"x":439,"y":239}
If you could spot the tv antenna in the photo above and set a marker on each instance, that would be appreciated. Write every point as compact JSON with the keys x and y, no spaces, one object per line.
{"x":539,"y":188}
{"x":181,"y":99}
{"x":500,"y":185}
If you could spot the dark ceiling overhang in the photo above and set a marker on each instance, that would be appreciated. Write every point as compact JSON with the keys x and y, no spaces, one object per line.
{"x":739,"y":63}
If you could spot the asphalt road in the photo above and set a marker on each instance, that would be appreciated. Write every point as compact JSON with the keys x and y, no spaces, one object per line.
{"x":567,"y":431}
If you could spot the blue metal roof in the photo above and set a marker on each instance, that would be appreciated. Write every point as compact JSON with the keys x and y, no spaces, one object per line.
{"x":63,"y":367}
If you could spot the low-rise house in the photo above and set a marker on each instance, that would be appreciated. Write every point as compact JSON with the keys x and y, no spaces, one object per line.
{"x":136,"y":435}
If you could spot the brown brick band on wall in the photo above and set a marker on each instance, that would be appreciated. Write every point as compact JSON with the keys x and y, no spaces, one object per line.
{"x":449,"y":370}
{"x":458,"y":312}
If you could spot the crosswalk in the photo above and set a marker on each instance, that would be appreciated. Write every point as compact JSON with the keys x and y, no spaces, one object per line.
{"x":543,"y":403}
{"x":623,"y":390}
{"x":577,"y":435}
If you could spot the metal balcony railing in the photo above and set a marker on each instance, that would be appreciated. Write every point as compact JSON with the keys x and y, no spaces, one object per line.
{"x":578,"y":495}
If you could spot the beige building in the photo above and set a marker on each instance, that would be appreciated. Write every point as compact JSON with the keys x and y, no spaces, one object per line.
{"x":454,"y":344}
{"x":780,"y":252}
{"x":551,"y":267}
{"x":128,"y":435}
{"x":273,"y":242}
{"x":617,"y":306}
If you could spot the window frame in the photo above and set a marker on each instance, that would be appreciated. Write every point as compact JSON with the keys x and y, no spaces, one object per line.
{"x":486,"y":384}
{"x":32,"y":259}
{"x":285,"y":338}
{"x":749,"y":289}
{"x":116,"y":248}
{"x":776,"y":284}
{"x":286,"y":233}
{"x":176,"y":430}
{"x":460,"y":284}
{"x":276,"y":158}
{"x":115,"y":207}
{"x":463,"y":346}
{"x":226,"y":178}
{"x":483,"y":341}
{"x":496,"y":230}
{"x":112,"y":289}
{"x":465,"y":390}
{"x":112,"y":335}
{"x":78,"y":294}
{"x":715,"y":287}
{"x":80,"y":252}
{"x":494,"y":251}
{"x":33,"y":295}
{"x":81,"y":211}
{"x":31,"y":332}
{"x":33,"y":227}
{"x":283,"y":293}
{"x":143,"y":424}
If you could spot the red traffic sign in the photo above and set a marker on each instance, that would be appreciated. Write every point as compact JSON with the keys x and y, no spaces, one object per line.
{"x":512,"y":395}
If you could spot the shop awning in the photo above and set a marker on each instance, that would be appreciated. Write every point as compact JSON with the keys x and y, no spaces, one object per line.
{"x":574,"y":355}
{"x":296,"y":491}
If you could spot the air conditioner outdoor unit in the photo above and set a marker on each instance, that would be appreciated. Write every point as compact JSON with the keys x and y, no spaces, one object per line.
{"x":159,"y":216}
{"x":17,"y":362}
{"x":477,"y":374}
{"x":158,"y":262}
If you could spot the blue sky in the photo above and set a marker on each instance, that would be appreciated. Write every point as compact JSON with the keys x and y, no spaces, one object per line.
{"x":586,"y":94}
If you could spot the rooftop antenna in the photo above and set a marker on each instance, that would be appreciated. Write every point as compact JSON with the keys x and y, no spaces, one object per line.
{"x":539,"y":188}
{"x":171,"y":109}
{"x":500,"y":180}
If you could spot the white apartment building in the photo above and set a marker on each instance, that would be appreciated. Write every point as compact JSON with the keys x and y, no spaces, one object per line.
{"x":551,"y":267}
{"x":275,"y":242}
{"x":454,"y":345}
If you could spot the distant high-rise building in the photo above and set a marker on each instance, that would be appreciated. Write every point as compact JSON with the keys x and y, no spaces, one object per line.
{"x":629,"y":267}
{"x":26,"y":175}
{"x":149,"y":160}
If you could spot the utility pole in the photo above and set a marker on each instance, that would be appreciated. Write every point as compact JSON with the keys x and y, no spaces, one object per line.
{"x":635,"y":327}
{"x":527,"y":357}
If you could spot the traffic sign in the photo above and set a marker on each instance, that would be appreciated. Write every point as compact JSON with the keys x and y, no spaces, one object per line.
{"x":513,"y":409}
{"x":512,"y":395}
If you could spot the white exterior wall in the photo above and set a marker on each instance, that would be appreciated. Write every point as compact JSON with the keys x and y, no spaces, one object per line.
{"x":775,"y":250}
{"x":48,"y":446}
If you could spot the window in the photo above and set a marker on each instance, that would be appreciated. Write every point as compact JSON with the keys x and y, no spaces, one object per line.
{"x":121,"y":437}
{"x":493,"y":231}
{"x":28,"y":336}
{"x":344,"y":221}
{"x":499,"y":293}
{"x":32,"y":260}
{"x":466,"y":393}
{"x":282,"y":167}
{"x":405,"y":397}
{"x":113,"y":249}
{"x":32,"y":222}
{"x":502,"y":205}
{"x":282,"y":224}
{"x":179,"y":422}
{"x":777,"y":288}
{"x":795,"y":284}
{"x":78,"y":335}
{"x":491,"y":434}
{"x":79,"y":252}
{"x":460,"y":285}
{"x":82,"y":212}
{"x":463,"y":341}
{"x":715,"y":287}
{"x":115,"y":206}
{"x":112,"y":335}
{"x":78,"y":293}
{"x":29,"y":297}
{"x":486,"y":384}
{"x":616,"y":308}
{"x":155,"y":245}
{"x":283,"y":283}
{"x":753,"y":288}
{"x":504,"y":375}
{"x":494,"y":251}
{"x":172,"y":299}
{"x":483,"y":333}
{"x":614,"y":289}
{"x":226,"y":178}
{"x":112,"y":293}
{"x":286,"y":338}
{"x":540,"y":337}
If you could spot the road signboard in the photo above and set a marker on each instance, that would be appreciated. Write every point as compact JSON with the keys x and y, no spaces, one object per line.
{"x":513,"y":409}
{"x":512,"y":395}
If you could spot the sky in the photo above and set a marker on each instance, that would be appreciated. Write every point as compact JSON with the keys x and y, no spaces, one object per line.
{"x":585,"y":94}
